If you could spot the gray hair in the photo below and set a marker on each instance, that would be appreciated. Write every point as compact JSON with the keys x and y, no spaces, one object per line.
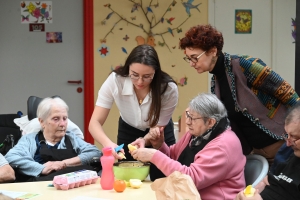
{"x":44,"y":108}
{"x":208,"y":106}
{"x":293,"y":114}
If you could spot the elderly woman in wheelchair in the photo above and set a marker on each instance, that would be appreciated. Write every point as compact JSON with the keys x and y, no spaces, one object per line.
{"x":52,"y":151}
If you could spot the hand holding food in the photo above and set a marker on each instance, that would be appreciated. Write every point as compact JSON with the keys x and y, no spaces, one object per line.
{"x":141,"y":142}
{"x":132,"y":147}
{"x":119,"y":152}
{"x":122,"y":155}
{"x":249,"y":191}
{"x":143,"y":154}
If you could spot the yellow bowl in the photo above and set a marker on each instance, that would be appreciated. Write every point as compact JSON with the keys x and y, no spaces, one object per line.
{"x":126,"y":170}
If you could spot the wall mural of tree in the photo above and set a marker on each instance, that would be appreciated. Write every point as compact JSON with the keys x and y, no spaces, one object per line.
{"x":154,"y":26}
{"x":158,"y":23}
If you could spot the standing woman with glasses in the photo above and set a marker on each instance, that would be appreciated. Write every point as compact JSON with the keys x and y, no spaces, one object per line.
{"x":145,"y":96}
{"x":210,"y":152}
{"x":256,"y":98}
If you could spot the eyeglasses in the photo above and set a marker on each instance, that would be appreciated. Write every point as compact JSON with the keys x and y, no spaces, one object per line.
{"x":192,"y":59}
{"x":190,"y":118}
{"x":135,"y":77}
{"x":286,"y":137}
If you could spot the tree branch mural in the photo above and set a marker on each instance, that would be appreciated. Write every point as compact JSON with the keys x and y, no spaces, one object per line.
{"x":150,"y":21}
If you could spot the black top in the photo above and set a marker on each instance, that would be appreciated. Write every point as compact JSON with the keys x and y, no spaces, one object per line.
{"x":127,"y":134}
{"x":45,"y":153}
{"x":196,"y":144}
{"x":285,"y":184}
{"x":256,"y":137}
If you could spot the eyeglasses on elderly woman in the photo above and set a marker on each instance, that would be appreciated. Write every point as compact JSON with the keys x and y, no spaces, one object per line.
{"x":190,"y":118}
{"x":292,"y":140}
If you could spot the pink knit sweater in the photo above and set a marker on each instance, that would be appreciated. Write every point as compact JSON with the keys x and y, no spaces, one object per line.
{"x":217,"y":170}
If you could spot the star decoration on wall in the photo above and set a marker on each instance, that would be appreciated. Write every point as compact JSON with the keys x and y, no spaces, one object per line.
{"x":103,"y":50}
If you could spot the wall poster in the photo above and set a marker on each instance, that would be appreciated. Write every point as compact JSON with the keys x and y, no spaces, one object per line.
{"x":243,"y":21}
{"x":36,"y":12}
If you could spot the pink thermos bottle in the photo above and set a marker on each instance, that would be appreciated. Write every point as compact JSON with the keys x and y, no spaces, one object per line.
{"x":107,"y":162}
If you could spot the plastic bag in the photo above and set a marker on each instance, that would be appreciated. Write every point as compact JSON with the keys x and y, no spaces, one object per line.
{"x":177,"y":186}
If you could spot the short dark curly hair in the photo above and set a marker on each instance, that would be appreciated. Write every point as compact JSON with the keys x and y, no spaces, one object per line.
{"x":204,"y":37}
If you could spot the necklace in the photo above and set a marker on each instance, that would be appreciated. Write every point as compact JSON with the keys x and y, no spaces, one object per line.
{"x":140,"y":96}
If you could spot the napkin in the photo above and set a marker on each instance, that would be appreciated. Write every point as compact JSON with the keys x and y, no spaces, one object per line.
{"x":176,"y":186}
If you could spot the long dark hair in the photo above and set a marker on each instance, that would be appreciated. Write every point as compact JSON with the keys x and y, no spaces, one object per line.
{"x":146,"y":54}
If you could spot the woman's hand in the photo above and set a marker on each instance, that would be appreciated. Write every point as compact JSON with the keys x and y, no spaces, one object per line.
{"x":53,"y":166}
{"x":140,"y":142}
{"x":114,"y":153}
{"x":241,"y":196}
{"x":154,"y":132}
{"x":143,"y":154}
{"x":156,"y":137}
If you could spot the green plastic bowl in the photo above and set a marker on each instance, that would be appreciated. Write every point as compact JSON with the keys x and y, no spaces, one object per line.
{"x":126,"y":170}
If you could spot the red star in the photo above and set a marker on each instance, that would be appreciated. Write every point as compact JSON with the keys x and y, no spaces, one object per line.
{"x":103,"y":51}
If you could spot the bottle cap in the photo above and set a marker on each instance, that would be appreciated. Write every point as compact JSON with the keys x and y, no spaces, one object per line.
{"x":107,"y":151}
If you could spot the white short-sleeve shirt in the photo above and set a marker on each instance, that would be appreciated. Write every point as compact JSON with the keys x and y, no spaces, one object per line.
{"x":120,"y":90}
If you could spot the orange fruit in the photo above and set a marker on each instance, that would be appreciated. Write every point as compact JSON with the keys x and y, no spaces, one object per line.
{"x":119,"y":185}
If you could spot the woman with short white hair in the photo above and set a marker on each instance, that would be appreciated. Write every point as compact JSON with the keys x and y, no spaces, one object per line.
{"x":53,"y":150}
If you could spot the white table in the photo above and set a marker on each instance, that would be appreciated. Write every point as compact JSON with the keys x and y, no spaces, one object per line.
{"x":94,"y":190}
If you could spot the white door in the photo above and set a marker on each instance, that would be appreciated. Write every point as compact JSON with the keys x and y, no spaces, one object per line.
{"x":30,"y":66}
{"x":270,"y":40}
{"x":258,"y":42}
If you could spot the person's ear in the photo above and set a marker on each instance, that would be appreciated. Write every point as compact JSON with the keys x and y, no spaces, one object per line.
{"x":211,"y":122}
{"x":41,"y":123}
{"x":40,"y":120}
{"x":213,"y":51}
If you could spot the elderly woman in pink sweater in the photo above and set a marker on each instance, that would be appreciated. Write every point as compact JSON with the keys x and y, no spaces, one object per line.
{"x":209,"y":152}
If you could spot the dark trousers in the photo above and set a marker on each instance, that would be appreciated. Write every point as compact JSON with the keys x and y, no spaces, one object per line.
{"x":127,"y":134}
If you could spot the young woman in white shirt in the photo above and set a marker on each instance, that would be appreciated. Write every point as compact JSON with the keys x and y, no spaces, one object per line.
{"x":145,"y":96}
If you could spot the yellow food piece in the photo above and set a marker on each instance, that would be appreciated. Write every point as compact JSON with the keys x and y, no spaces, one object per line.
{"x":122,"y":155}
{"x":127,"y":183}
{"x":249,"y":191}
{"x":132,"y":147}
{"x":135,"y":183}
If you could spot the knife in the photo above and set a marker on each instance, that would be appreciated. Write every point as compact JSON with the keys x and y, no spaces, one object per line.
{"x":119,"y":148}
